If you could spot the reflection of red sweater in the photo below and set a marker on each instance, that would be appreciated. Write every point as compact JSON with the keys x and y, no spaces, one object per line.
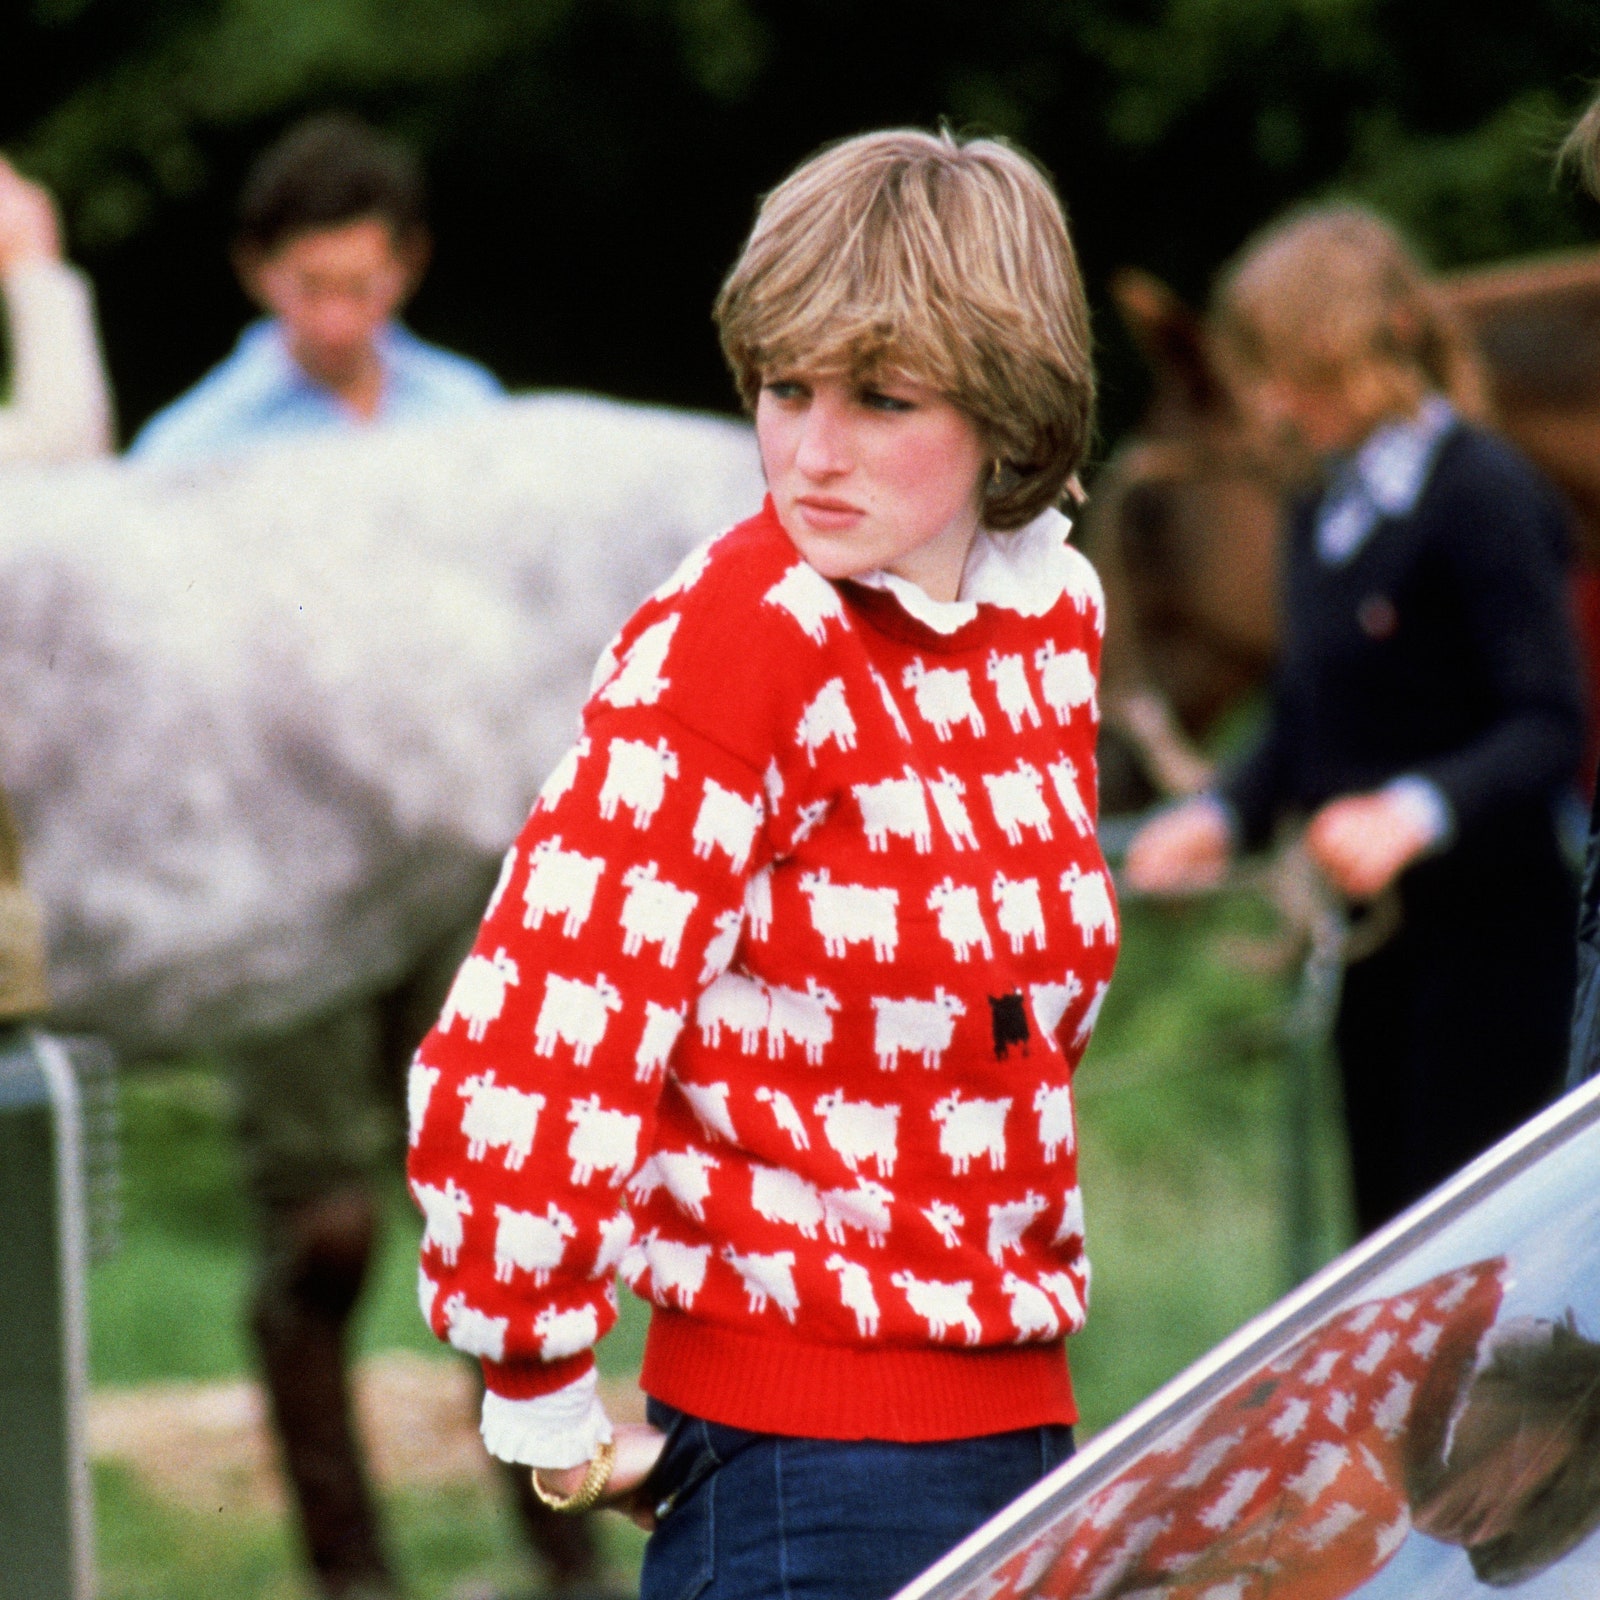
{"x":1290,"y":1487}
{"x":799,"y":949}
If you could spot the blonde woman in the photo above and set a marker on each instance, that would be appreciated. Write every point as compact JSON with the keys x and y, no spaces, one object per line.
{"x":779,"y":1001}
{"x":1426,"y":717}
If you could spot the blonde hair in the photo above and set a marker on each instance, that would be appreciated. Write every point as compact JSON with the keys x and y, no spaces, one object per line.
{"x":944,"y":260}
{"x":1331,"y":297}
{"x":1580,"y":151}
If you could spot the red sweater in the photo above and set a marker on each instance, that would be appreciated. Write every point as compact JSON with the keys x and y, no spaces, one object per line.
{"x":776,"y":1007}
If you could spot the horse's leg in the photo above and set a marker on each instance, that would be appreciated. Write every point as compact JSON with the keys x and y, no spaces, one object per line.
{"x":314,"y":1124}
{"x":566,"y":1545}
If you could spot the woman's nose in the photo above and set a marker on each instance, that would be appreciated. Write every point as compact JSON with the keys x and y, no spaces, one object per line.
{"x":822,"y":451}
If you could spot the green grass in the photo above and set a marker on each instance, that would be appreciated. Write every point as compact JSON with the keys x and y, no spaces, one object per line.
{"x":1181,"y":1102}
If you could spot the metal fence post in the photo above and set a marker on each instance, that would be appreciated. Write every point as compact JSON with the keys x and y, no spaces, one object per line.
{"x":46,"y":1535}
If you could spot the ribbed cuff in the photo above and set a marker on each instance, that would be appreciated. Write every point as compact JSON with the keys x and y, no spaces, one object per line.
{"x":563,"y":1429}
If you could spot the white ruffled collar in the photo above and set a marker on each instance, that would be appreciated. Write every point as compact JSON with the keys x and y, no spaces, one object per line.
{"x":1027,"y":571}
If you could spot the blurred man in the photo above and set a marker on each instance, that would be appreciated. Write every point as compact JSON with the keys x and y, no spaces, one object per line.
{"x":331,"y":243}
{"x":60,"y":406}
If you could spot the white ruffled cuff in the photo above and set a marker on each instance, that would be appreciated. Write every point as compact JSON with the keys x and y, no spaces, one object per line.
{"x":563,"y":1429}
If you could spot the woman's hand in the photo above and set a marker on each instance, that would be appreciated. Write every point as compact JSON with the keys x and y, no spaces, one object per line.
{"x":1363,"y":842}
{"x":1180,"y":851}
{"x":639,"y":1447}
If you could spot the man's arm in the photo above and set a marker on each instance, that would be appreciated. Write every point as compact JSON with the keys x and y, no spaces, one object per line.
{"x":60,"y":401}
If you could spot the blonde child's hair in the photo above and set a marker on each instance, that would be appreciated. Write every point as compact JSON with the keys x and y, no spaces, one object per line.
{"x":1331,"y":297}
{"x":942,"y":260}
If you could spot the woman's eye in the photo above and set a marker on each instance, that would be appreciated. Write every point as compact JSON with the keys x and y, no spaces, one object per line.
{"x":877,"y":400}
{"x":785,"y":389}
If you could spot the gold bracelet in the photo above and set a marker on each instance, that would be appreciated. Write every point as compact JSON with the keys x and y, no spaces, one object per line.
{"x":593,"y":1485}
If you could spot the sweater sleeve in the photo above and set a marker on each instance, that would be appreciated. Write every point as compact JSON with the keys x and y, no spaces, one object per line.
{"x":1505,"y":550}
{"x":533,"y":1099}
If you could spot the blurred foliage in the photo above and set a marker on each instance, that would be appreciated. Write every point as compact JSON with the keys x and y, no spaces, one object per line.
{"x":595,"y":162}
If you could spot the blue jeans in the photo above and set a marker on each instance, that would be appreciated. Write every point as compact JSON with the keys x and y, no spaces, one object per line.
{"x":755,"y":1516}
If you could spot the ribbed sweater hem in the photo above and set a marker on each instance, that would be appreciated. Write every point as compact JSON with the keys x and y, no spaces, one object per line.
{"x":768,"y":1383}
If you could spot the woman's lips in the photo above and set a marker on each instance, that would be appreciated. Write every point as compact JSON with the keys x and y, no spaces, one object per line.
{"x":826,"y":515}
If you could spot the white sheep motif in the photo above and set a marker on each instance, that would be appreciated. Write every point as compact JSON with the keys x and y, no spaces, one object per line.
{"x":478,"y":994}
{"x":655,"y":912}
{"x":574,"y":1013}
{"x":560,"y":883}
{"x":1064,"y":776}
{"x":946,"y":1220}
{"x":970,"y":1129}
{"x":677,"y":1270}
{"x":562,"y":776}
{"x":1065,"y":1289}
{"x":852,"y":913}
{"x":662,"y":1025}
{"x":809,"y":598}
{"x":895,"y":807}
{"x":420,"y":1080}
{"x":758,"y":904}
{"x":1032,"y":1314}
{"x":602,"y":1141}
{"x":1016,"y":797}
{"x":941,"y":1305}
{"x":779,"y":1195}
{"x":961,"y":923}
{"x":636,"y":777}
{"x":855,"y":1294}
{"x":948,"y":793}
{"x":1051,"y":1000}
{"x":860,"y":1131}
{"x":1092,"y":909}
{"x":826,"y":720}
{"x":886,"y":694}
{"x":1057,"y":1124}
{"x":1091,"y":1014}
{"x":726,"y":927}
{"x":525,"y":1241}
{"x":1009,"y":675}
{"x":786,"y":1116}
{"x":864,"y":1208}
{"x":565,"y":1333}
{"x":726,"y":821}
{"x":709,"y":1102}
{"x":944,"y":698}
{"x":473,"y":1332}
{"x":639,"y":683}
{"x":801,"y":1017}
{"x":766,"y":1278}
{"x":736,"y":1002}
{"x":921,"y":1027}
{"x":1067,"y":680}
{"x":442,"y":1211}
{"x":1009,"y":1220}
{"x":496,"y":1114}
{"x":1018,"y":911}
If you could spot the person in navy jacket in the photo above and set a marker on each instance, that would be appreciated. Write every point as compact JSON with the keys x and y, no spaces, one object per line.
{"x":1426,"y":716}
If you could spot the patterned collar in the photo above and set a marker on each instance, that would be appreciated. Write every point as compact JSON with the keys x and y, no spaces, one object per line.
{"x":1384,"y":478}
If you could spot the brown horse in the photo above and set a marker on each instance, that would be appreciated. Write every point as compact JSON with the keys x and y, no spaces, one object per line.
{"x":1185,"y":517}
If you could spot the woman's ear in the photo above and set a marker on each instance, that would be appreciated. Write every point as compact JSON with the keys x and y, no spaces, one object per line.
{"x":248,"y":260}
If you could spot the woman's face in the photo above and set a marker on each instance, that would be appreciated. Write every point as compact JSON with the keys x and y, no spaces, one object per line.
{"x":881,"y":475}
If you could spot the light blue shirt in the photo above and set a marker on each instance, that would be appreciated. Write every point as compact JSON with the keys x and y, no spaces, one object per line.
{"x":260,"y":394}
